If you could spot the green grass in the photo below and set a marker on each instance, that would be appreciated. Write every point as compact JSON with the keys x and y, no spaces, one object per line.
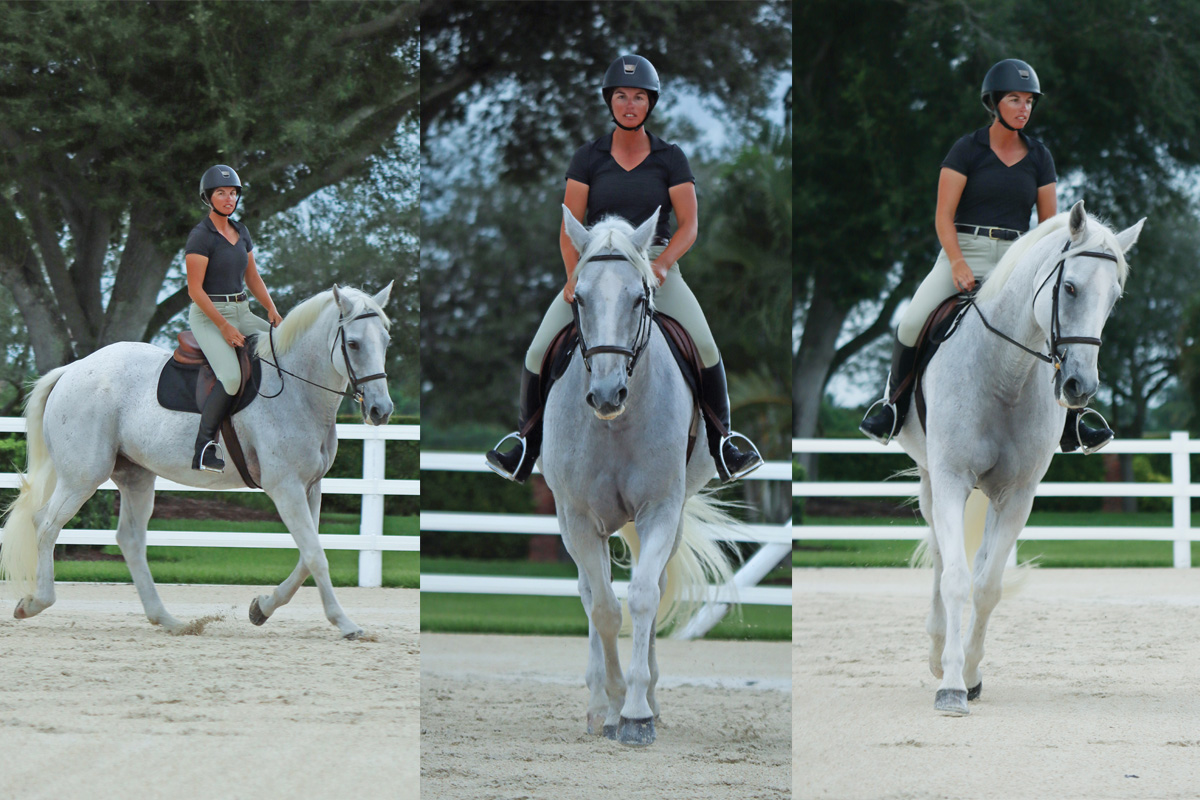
{"x":1050,"y":553}
{"x":561,"y":616}
{"x":250,"y":565}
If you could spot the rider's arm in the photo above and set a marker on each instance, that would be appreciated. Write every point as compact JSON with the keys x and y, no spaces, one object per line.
{"x":950,"y":189}
{"x":197,"y":265}
{"x":683,"y":203}
{"x":576,"y":201}
{"x":254,"y":283}
{"x":1047,"y":201}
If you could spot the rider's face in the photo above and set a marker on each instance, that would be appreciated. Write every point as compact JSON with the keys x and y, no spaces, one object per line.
{"x":1016,"y":108}
{"x":224,"y":199}
{"x":630,"y":106}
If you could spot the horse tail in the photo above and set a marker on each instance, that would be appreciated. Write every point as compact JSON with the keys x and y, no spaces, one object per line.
{"x":974,"y":521}
{"x":699,"y":560}
{"x":19,"y":553}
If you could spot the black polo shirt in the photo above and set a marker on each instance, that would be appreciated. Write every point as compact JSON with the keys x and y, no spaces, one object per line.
{"x":635,"y":194}
{"x":226,"y":262}
{"x":997,"y":195}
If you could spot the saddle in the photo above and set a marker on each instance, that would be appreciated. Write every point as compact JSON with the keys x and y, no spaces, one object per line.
{"x":940,"y":326}
{"x":187,"y":380}
{"x":564,"y":344}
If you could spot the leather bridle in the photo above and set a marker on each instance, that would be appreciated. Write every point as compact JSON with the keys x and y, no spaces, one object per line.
{"x":355,"y":381}
{"x":640,"y":339}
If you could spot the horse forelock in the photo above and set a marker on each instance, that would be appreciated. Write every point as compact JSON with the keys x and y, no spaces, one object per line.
{"x":614,"y":233}
{"x":301,"y":318}
{"x":1100,"y":236}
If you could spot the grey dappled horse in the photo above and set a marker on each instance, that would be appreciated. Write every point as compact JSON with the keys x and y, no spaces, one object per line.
{"x":614,"y":452}
{"x":995,"y":414}
{"x":99,"y":417}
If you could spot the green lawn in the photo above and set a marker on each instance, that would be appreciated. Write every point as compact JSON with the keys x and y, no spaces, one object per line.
{"x":251,"y":565}
{"x":889,"y":553}
{"x":562,"y":616}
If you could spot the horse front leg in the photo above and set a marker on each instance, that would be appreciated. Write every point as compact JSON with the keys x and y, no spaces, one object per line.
{"x":263,"y":606}
{"x":657,"y":528}
{"x":1005,"y":523}
{"x":935,"y":623}
{"x":292,"y":503}
{"x":949,"y":495}
{"x":589,"y":549}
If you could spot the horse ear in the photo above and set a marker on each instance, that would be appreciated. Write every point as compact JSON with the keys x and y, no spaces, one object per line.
{"x":384,"y":294}
{"x":1128,"y":237}
{"x":645,"y":232}
{"x":578,"y":234}
{"x":1078,"y":222}
{"x":337,"y":298}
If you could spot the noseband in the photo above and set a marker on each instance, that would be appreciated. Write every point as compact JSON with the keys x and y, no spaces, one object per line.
{"x":1054,"y":357}
{"x":640,"y":339}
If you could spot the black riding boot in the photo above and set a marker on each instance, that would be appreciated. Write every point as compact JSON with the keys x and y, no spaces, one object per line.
{"x":732,"y":463}
{"x":886,"y":423}
{"x":1076,"y":434}
{"x":517,"y":463}
{"x":215,"y":408}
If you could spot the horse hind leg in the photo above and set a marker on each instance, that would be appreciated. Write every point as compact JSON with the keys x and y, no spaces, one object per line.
{"x":263,"y":606}
{"x":64,"y":503}
{"x":137,"y":505}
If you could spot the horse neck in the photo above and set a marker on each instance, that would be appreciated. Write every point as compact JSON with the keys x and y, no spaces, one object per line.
{"x":1011,"y":312}
{"x":309,"y":358}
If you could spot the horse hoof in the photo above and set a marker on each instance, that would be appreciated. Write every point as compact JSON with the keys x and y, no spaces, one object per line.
{"x":19,"y":612}
{"x":974,"y":692}
{"x":256,"y":614}
{"x":610,"y":732}
{"x":352,"y":635}
{"x":636,"y":732}
{"x":952,"y":702}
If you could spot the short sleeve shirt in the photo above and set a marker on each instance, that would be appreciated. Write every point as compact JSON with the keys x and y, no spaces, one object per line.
{"x":632,"y":194}
{"x":997,"y":195}
{"x":226,"y":262}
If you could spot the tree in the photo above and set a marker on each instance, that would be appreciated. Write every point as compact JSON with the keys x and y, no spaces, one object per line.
{"x":109,"y":112}
{"x":532,"y":70}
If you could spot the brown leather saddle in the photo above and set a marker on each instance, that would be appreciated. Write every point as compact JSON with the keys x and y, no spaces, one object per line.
{"x":939,"y":327}
{"x":187,"y":380}
{"x":562,"y":349}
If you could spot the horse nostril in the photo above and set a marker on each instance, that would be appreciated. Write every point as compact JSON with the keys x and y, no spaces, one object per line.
{"x":622,"y":393}
{"x":1071,"y":387}
{"x":591,"y":399}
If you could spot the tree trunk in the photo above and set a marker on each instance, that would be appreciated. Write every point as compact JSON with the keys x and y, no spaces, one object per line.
{"x":818,"y":345}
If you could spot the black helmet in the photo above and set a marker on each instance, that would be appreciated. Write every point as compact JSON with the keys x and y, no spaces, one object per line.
{"x":1009,"y":75}
{"x":634,"y":72}
{"x":216,"y":177}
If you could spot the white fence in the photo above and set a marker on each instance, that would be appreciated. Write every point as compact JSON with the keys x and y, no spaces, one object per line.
{"x":372,"y":486}
{"x":776,"y":543}
{"x":1180,"y":489}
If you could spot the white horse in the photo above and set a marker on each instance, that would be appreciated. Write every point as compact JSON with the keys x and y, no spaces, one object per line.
{"x":99,"y":417}
{"x":997,"y":401}
{"x":616,"y":428}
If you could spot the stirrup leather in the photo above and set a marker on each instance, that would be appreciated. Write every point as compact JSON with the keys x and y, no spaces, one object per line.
{"x":747,"y":470}
{"x":218,"y":454}
{"x":499,"y":470}
{"x":1083,"y":412}
{"x":883,"y":401}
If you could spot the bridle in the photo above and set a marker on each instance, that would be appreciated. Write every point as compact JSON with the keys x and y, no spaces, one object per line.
{"x":1054,"y":357}
{"x":640,"y":339}
{"x":355,"y":381}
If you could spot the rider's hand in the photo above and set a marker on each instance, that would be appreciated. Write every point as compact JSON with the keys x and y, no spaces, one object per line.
{"x":964,"y":279}
{"x":569,"y":290}
{"x":661,"y":271}
{"x":233,"y":336}
{"x":274,"y":318}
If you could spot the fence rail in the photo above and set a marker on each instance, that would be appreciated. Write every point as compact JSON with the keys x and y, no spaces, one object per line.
{"x":1180,"y":489}
{"x":372,"y":487}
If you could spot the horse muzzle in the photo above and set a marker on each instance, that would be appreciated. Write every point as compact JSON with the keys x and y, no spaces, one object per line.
{"x":608,"y":404}
{"x":1073,"y":392}
{"x":377,"y":413}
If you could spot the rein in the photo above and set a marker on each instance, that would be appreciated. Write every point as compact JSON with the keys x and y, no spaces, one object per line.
{"x":640,"y":339}
{"x":355,"y":382}
{"x":1054,"y":357}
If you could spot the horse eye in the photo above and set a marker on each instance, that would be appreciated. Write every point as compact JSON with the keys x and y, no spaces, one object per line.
{"x":637,"y":302}
{"x":1070,"y":287}
{"x":352,"y":344}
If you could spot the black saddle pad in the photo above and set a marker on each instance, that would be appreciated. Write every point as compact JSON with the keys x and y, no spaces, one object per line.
{"x":177,"y":385}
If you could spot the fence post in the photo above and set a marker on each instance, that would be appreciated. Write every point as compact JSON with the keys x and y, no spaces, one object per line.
{"x":1181,"y":501}
{"x":370,"y":562}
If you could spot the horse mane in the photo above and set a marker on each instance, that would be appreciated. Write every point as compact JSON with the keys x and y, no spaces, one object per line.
{"x":614,"y":233}
{"x":1100,"y":237}
{"x":305,"y":315}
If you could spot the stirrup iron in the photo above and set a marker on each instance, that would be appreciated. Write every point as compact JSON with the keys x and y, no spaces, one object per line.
{"x":883,"y":401}
{"x":220,"y":456}
{"x":498,"y":470}
{"x":725,"y":468}
{"x":1083,"y":412}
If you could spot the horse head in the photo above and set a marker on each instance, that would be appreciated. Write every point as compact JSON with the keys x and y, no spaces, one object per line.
{"x":1075,"y":299}
{"x":362,"y":335}
{"x":614,"y":296}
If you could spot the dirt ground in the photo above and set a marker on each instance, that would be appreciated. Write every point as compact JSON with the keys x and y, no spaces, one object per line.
{"x":97,"y":703}
{"x":1091,"y":690}
{"x":503,"y":717}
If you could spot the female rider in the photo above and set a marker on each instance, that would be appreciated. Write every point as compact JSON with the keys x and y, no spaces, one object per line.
{"x":629,"y":172}
{"x":220,"y":265}
{"x":989,"y":181}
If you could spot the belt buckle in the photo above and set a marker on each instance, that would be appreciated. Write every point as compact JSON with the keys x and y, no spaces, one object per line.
{"x":992,"y":233}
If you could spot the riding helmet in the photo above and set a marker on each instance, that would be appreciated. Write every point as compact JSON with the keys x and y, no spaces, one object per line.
{"x":1009,"y":75}
{"x":635,"y":72}
{"x":216,"y":177}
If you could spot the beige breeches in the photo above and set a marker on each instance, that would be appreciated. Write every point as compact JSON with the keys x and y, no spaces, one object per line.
{"x":221,"y":356}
